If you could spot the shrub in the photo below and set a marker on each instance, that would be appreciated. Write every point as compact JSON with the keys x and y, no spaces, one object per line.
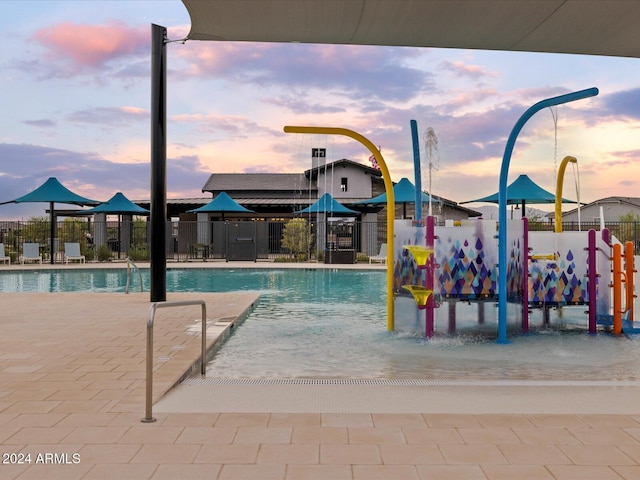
{"x":138,"y":253}
{"x":103,"y":253}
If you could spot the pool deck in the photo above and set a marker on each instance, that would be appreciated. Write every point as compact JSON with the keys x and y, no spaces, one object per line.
{"x":72,"y":381}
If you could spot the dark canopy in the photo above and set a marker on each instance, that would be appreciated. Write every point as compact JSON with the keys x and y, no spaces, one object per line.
{"x":327,"y":204}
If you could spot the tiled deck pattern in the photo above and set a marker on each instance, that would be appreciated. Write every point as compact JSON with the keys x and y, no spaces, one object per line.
{"x":72,"y":372}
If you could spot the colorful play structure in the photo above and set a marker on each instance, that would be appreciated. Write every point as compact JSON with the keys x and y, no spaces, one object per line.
{"x":447,"y":276}
{"x":458,"y":266}
{"x":429,"y":266}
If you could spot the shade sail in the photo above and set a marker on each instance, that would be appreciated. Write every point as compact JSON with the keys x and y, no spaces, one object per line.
{"x":223,"y":203}
{"x":555,"y":26}
{"x":52,"y":192}
{"x":119,"y":204}
{"x":327,"y":204}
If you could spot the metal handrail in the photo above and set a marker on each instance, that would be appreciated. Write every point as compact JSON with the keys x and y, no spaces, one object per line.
{"x":129,"y":264}
{"x":148,"y":418}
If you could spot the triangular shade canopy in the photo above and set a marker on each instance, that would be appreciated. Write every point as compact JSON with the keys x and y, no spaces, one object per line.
{"x":223,"y":203}
{"x":119,"y":205}
{"x":327,"y":204}
{"x":522,"y":191}
{"x":53,"y":191}
{"x":403,"y":192}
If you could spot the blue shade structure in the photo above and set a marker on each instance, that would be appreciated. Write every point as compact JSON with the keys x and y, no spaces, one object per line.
{"x":222,"y":204}
{"x":119,"y":204}
{"x":327,"y":204}
{"x":403,"y":192}
{"x":523,"y":190}
{"x":51,"y":192}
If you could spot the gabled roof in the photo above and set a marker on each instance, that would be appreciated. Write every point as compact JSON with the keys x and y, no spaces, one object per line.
{"x":342,"y":163}
{"x":276,"y":182}
{"x":631,"y":201}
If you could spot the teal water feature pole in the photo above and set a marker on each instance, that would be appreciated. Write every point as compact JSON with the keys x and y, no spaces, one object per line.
{"x":416,"y":170}
{"x":502,"y":198}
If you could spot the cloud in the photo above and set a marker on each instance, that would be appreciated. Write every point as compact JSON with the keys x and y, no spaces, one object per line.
{"x":113,"y":116}
{"x":461,"y":69}
{"x":43,"y":123}
{"x":623,"y":105}
{"x":91,"y":46}
{"x":224,"y":126}
{"x":25,"y":167}
{"x":353,"y":71}
{"x":78,"y":49}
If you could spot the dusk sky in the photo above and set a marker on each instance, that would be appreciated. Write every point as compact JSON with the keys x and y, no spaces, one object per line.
{"x":75,"y":77}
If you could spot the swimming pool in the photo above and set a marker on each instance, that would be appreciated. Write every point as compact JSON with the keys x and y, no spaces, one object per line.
{"x":329,"y":323}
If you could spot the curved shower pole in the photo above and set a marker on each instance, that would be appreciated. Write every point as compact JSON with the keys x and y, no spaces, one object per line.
{"x":388,"y":186}
{"x":502,"y":198}
{"x":559,"y":183}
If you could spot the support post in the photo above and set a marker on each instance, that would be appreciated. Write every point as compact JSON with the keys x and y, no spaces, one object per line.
{"x":158,"y":202}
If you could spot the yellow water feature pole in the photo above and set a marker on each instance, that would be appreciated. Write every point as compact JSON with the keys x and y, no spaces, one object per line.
{"x":559,"y":182}
{"x":388,"y":186}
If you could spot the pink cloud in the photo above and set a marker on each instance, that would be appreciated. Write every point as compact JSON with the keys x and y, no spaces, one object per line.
{"x":91,"y":46}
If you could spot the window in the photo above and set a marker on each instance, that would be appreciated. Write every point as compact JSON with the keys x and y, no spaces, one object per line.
{"x":343,"y":184}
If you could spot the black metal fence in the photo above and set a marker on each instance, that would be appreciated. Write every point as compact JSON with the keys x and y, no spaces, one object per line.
{"x":186,"y":240}
{"x":226,"y":240}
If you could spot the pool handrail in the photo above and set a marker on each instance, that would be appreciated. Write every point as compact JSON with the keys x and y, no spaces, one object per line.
{"x":148,"y":415}
{"x":129,"y":264}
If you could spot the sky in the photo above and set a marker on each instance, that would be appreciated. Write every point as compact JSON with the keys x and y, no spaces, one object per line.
{"x":75,"y":83}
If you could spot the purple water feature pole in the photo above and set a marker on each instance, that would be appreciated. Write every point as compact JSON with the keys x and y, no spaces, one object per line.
{"x":429,"y":273}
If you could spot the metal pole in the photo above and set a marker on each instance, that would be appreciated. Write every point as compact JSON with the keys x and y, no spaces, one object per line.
{"x":158,"y":202}
{"x":502,"y":199}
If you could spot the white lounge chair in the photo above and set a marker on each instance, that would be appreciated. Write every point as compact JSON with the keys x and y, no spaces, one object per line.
{"x":31,"y":253}
{"x":381,"y":257}
{"x":4,"y":257}
{"x":72,"y":252}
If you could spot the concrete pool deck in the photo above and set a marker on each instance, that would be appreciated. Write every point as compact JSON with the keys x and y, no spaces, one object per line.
{"x":72,"y":381}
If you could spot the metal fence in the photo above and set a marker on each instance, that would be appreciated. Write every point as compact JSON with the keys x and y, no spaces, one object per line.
{"x":227,"y":240}
{"x":187,"y":240}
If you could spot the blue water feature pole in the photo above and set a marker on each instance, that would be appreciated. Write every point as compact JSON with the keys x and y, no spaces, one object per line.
{"x":502,"y":198}
{"x":416,"y":169}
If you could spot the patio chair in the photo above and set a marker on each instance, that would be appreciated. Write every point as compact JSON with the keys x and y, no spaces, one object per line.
{"x":72,"y":252}
{"x":30,"y":253}
{"x":381,"y":257}
{"x":4,"y":257}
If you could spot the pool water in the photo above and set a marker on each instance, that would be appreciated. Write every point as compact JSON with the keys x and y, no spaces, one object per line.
{"x":328,"y":323}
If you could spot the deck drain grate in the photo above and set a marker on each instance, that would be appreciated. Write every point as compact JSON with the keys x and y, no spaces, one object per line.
{"x":405,"y":382}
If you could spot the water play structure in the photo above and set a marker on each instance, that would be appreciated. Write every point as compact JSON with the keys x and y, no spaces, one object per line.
{"x":459,"y":265}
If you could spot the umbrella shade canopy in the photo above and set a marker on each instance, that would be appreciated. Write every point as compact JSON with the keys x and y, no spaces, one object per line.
{"x":223,"y":203}
{"x":403,"y":192}
{"x":120,"y":205}
{"x":522,"y":190}
{"x":327,"y":204}
{"x":53,"y":191}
